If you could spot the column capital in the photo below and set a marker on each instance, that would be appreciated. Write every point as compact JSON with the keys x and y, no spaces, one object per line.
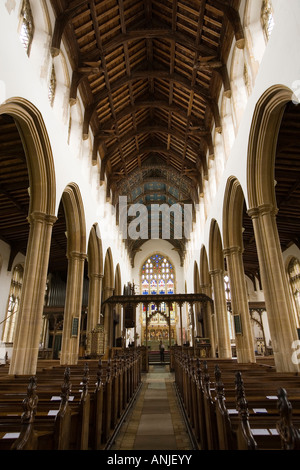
{"x":205,"y":286}
{"x":108,"y":289}
{"x":263,"y":209}
{"x":76,"y":255}
{"x":232,"y":250}
{"x":42,"y":217}
{"x":96,"y":276}
{"x":216,"y":272}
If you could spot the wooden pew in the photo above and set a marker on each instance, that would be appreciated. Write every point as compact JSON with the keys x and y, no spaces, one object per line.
{"x":88,"y":421}
{"x":289,"y":434}
{"x":222,"y":429}
{"x":44,"y":432}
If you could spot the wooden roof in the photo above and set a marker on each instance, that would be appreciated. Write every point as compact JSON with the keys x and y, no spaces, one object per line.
{"x":150,"y":74}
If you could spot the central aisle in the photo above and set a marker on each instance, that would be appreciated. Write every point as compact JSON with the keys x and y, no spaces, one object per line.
{"x":156,"y":421}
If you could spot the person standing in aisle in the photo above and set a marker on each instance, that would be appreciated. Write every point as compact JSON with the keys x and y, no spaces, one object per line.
{"x":162,"y":351}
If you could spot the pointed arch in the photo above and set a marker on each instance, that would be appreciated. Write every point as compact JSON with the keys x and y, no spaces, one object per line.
{"x":216,"y":258}
{"x":196,"y":278}
{"x":95,"y":251}
{"x":204,"y":267}
{"x":38,"y":153}
{"x":75,"y":219}
{"x":118,"y":282}
{"x":108,"y":279}
{"x":233,"y":213}
{"x":262,"y":145}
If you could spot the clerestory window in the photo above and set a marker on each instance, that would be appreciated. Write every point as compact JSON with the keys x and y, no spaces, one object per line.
{"x":267,"y":18}
{"x":27,"y":26}
{"x":52,"y":86}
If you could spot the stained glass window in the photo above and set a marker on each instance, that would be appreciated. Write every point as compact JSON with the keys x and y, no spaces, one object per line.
{"x":159,"y":271}
{"x":145,"y":285}
{"x":158,"y":277}
{"x":162,"y":287}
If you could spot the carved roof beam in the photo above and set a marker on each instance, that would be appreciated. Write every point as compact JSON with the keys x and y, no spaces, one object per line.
{"x":61,"y":23}
{"x":127,"y":63}
{"x":151,"y":103}
{"x":103,"y":61}
{"x":143,"y":130}
{"x":206,"y":54}
{"x":78,"y":75}
{"x":139,"y":75}
{"x":194,"y":74}
{"x":234,"y":19}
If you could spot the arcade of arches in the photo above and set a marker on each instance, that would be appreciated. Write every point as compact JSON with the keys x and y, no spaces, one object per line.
{"x":197,"y":109}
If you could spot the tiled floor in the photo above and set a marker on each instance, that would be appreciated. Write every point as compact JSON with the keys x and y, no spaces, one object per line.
{"x":156,"y":422}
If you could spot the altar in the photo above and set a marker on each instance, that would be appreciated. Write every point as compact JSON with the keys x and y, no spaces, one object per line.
{"x":156,"y":333}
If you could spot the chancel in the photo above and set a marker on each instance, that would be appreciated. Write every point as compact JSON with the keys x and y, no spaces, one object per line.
{"x":149,"y":226}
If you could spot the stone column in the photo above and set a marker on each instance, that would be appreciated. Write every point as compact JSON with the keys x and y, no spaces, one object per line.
{"x":29,"y":323}
{"x":193,"y":324}
{"x":94,"y":307}
{"x":208,"y":319}
{"x":224,"y":345}
{"x":181,"y":326}
{"x":239,"y":304}
{"x":108,"y":316}
{"x":73,"y":307}
{"x":277,"y":294}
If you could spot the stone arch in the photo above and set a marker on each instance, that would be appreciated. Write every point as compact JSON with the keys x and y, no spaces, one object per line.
{"x":262,"y":204}
{"x":118,"y":282}
{"x":216,"y":263}
{"x":76,"y":254}
{"x":41,"y":216}
{"x":75,"y":219}
{"x":204,"y":268}
{"x":107,"y":291}
{"x":262,"y":145}
{"x":196,"y":278}
{"x":108,"y":275}
{"x":233,"y":250}
{"x":38,"y":153}
{"x":95,"y":251}
{"x":216,"y":258}
{"x":233,"y":213}
{"x":95,"y":275}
